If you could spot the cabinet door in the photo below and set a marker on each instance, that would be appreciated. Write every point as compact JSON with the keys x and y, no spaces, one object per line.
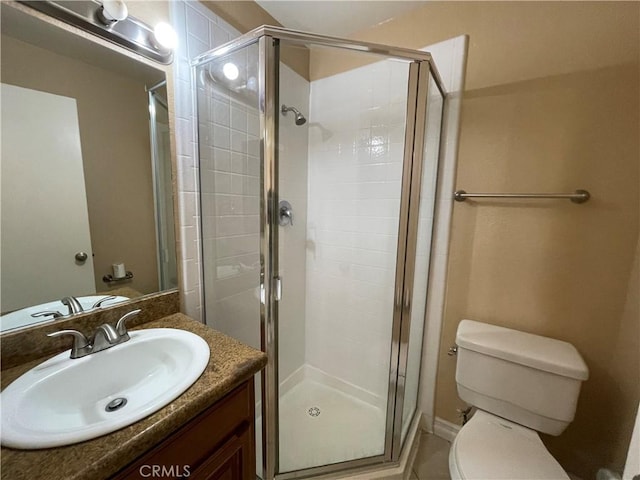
{"x":234,"y":461}
{"x":218,"y":443}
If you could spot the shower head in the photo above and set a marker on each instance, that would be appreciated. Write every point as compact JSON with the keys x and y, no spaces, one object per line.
{"x":300,"y":120}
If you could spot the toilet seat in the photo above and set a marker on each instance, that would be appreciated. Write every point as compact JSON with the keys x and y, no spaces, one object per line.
{"x":491,"y":448}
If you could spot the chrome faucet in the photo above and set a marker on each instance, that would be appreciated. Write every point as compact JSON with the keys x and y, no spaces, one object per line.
{"x":105,"y":336}
{"x":72,"y":304}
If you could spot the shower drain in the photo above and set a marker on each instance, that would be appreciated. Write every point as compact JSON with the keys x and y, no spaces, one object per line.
{"x":314,"y":411}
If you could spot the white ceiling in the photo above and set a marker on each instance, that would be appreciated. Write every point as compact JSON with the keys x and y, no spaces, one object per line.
{"x":338,"y":18}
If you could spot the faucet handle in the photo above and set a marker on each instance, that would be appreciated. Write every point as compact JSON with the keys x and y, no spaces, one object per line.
{"x":102,"y":300}
{"x":121,"y":327}
{"x":80,"y":342}
{"x":47,"y":313}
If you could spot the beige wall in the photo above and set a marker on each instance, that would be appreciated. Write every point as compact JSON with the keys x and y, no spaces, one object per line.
{"x":114,"y":131}
{"x":552,"y":268}
{"x":551,"y":104}
{"x":151,"y":12}
{"x":245,"y":15}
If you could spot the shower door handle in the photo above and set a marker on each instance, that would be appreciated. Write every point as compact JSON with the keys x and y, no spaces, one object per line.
{"x":407,"y":300}
{"x":398,"y":300}
{"x":399,"y":303}
{"x":277,"y":288}
{"x":285,"y":214}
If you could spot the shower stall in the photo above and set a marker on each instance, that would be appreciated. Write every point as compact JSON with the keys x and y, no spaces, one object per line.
{"x":318,"y":160}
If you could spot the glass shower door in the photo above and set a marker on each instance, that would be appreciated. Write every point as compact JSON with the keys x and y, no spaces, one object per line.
{"x":341,"y":153}
{"x":422,"y":219}
{"x":315,"y":237}
{"x":230,"y":171}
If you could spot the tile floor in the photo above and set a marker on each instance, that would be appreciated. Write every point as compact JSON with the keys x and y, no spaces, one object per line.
{"x":432,"y":460}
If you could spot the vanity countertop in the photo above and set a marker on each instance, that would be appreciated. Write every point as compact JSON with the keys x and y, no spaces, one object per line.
{"x":230,"y":364}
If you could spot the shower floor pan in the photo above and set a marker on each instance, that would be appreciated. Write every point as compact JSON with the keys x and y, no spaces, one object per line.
{"x":321,"y":425}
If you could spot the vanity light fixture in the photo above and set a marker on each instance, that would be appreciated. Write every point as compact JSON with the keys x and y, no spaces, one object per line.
{"x":112,"y":11}
{"x":110,"y":20}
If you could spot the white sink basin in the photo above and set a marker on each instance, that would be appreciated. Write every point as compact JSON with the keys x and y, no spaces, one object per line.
{"x":22,"y":317}
{"x":63,"y":401}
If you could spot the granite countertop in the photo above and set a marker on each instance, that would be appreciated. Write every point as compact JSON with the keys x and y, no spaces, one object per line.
{"x":231,"y":363}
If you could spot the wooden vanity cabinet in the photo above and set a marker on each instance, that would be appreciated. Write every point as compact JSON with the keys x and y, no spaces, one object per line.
{"x":217,"y":444}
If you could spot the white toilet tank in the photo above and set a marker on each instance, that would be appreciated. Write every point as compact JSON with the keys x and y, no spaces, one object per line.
{"x":531,"y":380}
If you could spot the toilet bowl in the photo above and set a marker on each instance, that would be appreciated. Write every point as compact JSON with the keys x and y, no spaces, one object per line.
{"x":520,"y":384}
{"x":490,"y":447}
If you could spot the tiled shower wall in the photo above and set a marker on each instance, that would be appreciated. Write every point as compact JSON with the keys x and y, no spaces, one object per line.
{"x":198,"y":30}
{"x":355,"y":173}
{"x":229,"y":133}
{"x":363,"y":262}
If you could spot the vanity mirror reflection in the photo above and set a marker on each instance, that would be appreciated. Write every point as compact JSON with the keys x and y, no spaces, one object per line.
{"x":86,"y":194}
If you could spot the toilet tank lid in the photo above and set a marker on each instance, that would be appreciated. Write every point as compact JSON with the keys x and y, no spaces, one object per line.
{"x":535,"y":351}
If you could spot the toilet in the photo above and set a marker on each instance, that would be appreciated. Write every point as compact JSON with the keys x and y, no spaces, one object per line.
{"x":520,"y":384}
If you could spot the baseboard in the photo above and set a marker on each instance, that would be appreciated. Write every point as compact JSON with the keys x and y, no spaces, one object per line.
{"x":426,"y":423}
{"x":444,"y":429}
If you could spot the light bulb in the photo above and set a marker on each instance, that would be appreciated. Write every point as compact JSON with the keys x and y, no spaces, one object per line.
{"x":230,"y":71}
{"x":165,"y":35}
{"x":112,"y":11}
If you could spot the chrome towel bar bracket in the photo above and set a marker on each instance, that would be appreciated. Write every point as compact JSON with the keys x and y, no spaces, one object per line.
{"x":579,"y":196}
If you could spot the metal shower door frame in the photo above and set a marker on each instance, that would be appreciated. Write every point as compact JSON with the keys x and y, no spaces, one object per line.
{"x":152,"y":98}
{"x":268,"y":95}
{"x":407,"y":240}
{"x":420,"y":68}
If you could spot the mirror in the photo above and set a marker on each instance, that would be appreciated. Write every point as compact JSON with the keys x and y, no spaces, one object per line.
{"x":87,"y":201}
